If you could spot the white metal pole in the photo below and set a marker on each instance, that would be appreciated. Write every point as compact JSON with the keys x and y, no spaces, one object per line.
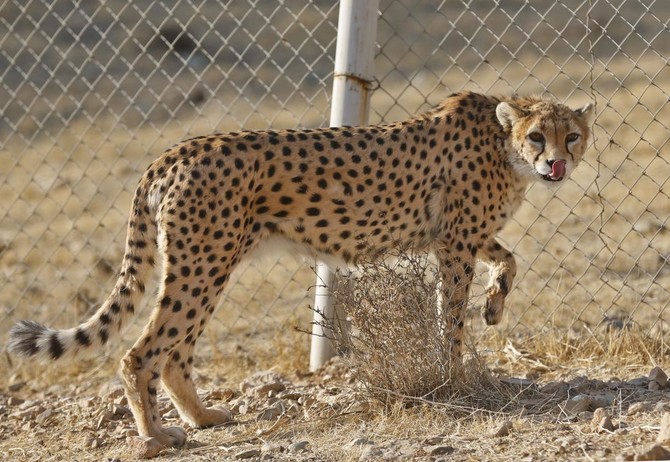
{"x":354,"y":61}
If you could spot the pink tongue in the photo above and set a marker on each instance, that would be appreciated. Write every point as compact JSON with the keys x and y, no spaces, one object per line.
{"x":558,"y":169}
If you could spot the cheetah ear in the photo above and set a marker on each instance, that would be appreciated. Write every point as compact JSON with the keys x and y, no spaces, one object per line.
{"x":508,"y":114}
{"x":587,"y":113}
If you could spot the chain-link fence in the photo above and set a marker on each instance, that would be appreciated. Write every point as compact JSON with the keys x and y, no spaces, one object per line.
{"x":92,"y":92}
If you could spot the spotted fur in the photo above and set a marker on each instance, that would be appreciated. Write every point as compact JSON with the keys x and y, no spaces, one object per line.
{"x":445,"y":181}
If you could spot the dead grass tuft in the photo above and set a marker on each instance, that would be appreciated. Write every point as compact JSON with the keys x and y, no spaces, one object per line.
{"x":399,"y":346}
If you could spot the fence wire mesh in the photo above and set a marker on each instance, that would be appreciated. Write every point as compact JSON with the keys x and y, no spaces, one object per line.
{"x":92,"y":92}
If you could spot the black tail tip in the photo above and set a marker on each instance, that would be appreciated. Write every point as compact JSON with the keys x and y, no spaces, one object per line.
{"x":23,"y":338}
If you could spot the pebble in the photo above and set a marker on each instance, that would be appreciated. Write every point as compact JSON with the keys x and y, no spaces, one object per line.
{"x":639,"y":408}
{"x":14,"y":401}
{"x":440,"y":450}
{"x":248,"y":453}
{"x":504,"y":429}
{"x":143,"y":447}
{"x":272,"y":413}
{"x":43,"y":416}
{"x":298,"y":446}
{"x":656,"y":375}
{"x":371,"y":453}
{"x":359,"y":442}
{"x":578,"y":404}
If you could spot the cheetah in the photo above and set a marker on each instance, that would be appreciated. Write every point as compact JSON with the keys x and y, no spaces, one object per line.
{"x":445,"y":181}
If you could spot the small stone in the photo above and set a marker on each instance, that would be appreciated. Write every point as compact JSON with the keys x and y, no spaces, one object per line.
{"x":440,"y":450}
{"x":371,"y":453}
{"x":656,"y":452}
{"x":504,"y":429}
{"x":653,"y":386}
{"x":658,"y":376}
{"x":605,"y":425}
{"x":557,"y":389}
{"x":272,"y":413}
{"x":114,"y":395}
{"x":638,"y":408}
{"x":298,"y":446}
{"x":664,"y":432}
{"x":143,"y":447}
{"x":639,"y":382}
{"x":225,"y":394}
{"x":16,"y":386}
{"x":599,"y":414}
{"x":585,"y":415}
{"x":360,"y":442}
{"x":120,"y":411}
{"x":42,"y":417}
{"x":94,"y":442}
{"x":248,"y":453}
{"x":519,"y":382}
{"x":14,"y":401}
{"x":271,"y":447}
{"x":578,"y":404}
{"x":171,"y":414}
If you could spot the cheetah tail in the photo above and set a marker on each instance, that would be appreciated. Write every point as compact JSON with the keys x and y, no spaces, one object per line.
{"x":29,"y":338}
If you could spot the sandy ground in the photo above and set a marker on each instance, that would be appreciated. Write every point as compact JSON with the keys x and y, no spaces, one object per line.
{"x":592,"y":255}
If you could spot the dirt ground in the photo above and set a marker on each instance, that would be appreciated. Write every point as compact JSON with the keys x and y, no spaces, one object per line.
{"x":586,"y":323}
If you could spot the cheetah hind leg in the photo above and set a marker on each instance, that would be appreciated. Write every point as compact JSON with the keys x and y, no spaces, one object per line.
{"x":178,"y":384}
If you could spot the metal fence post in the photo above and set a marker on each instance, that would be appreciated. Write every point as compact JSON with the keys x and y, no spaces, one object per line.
{"x":354,"y":61}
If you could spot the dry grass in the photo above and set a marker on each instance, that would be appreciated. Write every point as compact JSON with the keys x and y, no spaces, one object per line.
{"x":397,"y":343}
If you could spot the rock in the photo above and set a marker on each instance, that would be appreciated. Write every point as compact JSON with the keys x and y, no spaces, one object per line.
{"x":557,"y":389}
{"x":639,"y":382}
{"x":656,"y":452}
{"x":225,"y":394}
{"x":656,"y":375}
{"x":504,"y":429}
{"x":297,"y":446}
{"x":269,"y":389}
{"x":664,"y":433}
{"x":359,"y":442}
{"x":578,"y":404}
{"x":43,"y":416}
{"x":94,"y":443}
{"x":371,"y":453}
{"x":271,"y":447}
{"x":16,"y":386}
{"x":606,"y":425}
{"x":272,"y":413}
{"x":518,"y":382}
{"x":585,"y":415}
{"x":639,"y":408}
{"x":248,"y":453}
{"x":601,"y":421}
{"x":120,"y":411}
{"x":440,"y":450}
{"x":143,"y":447}
{"x":14,"y":401}
{"x":114,"y":395}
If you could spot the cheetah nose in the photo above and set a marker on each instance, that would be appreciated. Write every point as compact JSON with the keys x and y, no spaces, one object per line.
{"x":557,"y":169}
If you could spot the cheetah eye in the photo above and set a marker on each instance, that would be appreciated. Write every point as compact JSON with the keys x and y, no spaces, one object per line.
{"x":572,"y":137}
{"x":536,"y":137}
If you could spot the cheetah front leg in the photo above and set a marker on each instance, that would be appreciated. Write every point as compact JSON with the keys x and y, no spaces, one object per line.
{"x":456,"y":272}
{"x":502,"y":269}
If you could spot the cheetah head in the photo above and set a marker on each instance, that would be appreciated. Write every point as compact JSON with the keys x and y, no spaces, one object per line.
{"x":547,"y":139}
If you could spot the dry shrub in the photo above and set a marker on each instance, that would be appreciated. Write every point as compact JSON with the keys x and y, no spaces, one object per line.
{"x":398,"y":345}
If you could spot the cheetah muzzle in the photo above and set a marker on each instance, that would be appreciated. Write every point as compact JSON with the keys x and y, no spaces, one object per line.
{"x":445,"y":181}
